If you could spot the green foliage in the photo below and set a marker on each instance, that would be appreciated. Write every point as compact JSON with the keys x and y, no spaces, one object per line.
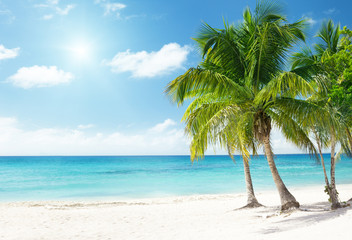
{"x":327,"y":190}
{"x":240,"y":88}
{"x":338,"y":67}
{"x":330,"y":64}
{"x":329,"y":36}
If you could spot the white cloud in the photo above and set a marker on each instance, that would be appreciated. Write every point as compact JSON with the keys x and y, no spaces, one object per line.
{"x":311,"y":21}
{"x":53,"y":2}
{"x":162,"y":126}
{"x":166,"y":138}
{"x":64,"y":11}
{"x":60,"y":141}
{"x":87,"y":126}
{"x":280,"y":145}
{"x":113,"y":7}
{"x":39,"y":76}
{"x":309,"y":18}
{"x":47,"y":4}
{"x":55,"y":8}
{"x":330,"y":11}
{"x":48,"y":17}
{"x":134,"y":16}
{"x":143,"y":64}
{"x":6,"y":53}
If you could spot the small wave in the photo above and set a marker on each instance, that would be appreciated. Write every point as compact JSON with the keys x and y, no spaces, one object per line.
{"x":166,"y":170}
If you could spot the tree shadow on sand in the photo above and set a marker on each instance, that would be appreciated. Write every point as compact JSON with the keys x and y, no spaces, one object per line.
{"x":317,"y":213}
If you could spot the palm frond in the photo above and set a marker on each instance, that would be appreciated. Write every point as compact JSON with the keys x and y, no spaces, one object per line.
{"x":197,"y":81}
{"x":293,"y":131}
{"x":286,"y":84}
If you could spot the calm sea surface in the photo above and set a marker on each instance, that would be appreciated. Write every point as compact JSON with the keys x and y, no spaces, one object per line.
{"x":118,"y":177}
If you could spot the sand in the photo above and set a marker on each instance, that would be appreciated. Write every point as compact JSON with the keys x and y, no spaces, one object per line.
{"x":190,"y":217}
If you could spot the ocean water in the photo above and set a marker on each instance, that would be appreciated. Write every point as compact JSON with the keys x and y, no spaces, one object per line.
{"x":123,"y":177}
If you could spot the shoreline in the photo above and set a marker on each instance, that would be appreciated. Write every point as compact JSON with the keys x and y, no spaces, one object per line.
{"x":185,"y":217}
{"x":166,"y":198}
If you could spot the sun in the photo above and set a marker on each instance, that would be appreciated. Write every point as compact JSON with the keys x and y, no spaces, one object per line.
{"x":81,"y":50}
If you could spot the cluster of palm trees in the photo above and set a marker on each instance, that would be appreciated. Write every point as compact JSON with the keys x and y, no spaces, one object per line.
{"x":249,"y":82}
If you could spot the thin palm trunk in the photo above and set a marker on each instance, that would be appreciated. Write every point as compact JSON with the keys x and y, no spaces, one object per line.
{"x":287,"y":199}
{"x":252,"y":201}
{"x":350,"y":142}
{"x":322,"y":163}
{"x":349,"y":137}
{"x":335,"y":203}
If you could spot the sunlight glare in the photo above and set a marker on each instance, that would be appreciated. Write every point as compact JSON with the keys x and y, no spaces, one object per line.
{"x":81,"y":51}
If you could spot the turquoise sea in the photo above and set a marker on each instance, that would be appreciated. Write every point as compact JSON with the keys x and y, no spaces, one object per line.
{"x":122,"y":177}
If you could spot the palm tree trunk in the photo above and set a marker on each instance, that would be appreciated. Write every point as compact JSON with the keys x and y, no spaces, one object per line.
{"x":252,"y":201}
{"x":287,"y":199}
{"x":335,"y":203}
{"x":349,"y":137}
{"x":322,"y":163}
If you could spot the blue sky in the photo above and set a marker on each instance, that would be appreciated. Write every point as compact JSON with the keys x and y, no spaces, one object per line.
{"x":87,"y":76}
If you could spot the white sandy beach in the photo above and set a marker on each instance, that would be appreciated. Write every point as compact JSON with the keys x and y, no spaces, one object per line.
{"x":190,"y":217}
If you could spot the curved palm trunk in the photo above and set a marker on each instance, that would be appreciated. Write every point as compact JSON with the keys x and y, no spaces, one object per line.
{"x":252,"y":201}
{"x":322,"y":163}
{"x":287,"y":199}
{"x":350,"y":142}
{"x":335,"y":203}
{"x":349,"y":137}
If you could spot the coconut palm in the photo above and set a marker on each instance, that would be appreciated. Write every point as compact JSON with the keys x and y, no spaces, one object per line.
{"x":333,"y":126}
{"x":212,"y":119}
{"x":243,"y":88}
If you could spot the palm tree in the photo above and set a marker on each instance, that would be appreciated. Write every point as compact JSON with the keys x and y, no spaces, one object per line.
{"x":242,"y":78}
{"x":210,"y":119}
{"x":333,"y":125}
